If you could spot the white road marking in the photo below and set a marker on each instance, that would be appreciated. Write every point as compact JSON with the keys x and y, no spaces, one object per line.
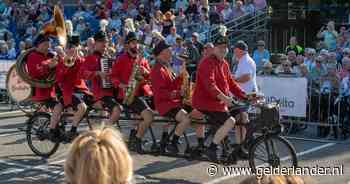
{"x":223,"y":178}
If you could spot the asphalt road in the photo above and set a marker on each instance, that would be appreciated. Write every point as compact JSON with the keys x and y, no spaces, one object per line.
{"x":18,"y":164}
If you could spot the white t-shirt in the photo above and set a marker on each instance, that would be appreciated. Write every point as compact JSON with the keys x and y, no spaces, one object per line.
{"x":246,"y":65}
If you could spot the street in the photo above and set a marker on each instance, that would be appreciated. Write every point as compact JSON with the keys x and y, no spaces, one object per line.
{"x":19,"y":165}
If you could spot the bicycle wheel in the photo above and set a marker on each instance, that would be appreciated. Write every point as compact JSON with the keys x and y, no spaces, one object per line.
{"x":271,"y":151}
{"x":38,"y":135}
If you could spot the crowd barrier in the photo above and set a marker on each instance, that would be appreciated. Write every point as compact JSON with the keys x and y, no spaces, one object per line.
{"x":307,"y":110}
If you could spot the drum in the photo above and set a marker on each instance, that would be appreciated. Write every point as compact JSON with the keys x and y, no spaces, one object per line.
{"x":17,"y":89}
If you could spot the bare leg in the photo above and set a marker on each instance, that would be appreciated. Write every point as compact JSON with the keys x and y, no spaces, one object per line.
{"x":241,"y":130}
{"x":56,"y":115}
{"x":223,"y":130}
{"x":115,"y":115}
{"x":147,"y":117}
{"x":78,"y":115}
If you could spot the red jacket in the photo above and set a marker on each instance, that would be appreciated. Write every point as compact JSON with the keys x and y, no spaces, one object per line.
{"x":121,"y":71}
{"x":163,"y":86}
{"x":37,"y":64}
{"x":68,"y":81}
{"x":88,"y":72}
{"x":214,"y":77}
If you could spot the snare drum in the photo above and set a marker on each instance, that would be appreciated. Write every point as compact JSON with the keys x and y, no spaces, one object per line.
{"x":17,"y":89}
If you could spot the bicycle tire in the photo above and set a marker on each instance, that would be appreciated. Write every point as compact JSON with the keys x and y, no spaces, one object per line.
{"x":29,"y":134}
{"x":262,"y":140}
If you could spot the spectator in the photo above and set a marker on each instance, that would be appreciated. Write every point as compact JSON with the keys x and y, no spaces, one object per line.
{"x":325,"y":54}
{"x":309,"y":59}
{"x":329,"y":36}
{"x":344,"y":71}
{"x":181,"y":4}
{"x":293,"y":45}
{"x":318,"y":71}
{"x":226,"y":13}
{"x":157,"y":22}
{"x":249,"y":7}
{"x":292,"y":57}
{"x":22,"y":47}
{"x":177,"y":50}
{"x":192,"y":9}
{"x":99,"y":157}
{"x":166,"y":5}
{"x":285,"y":68}
{"x":214,"y":16}
{"x":115,"y":22}
{"x":193,"y":54}
{"x":195,"y":40}
{"x":168,"y":23}
{"x":3,"y":50}
{"x":298,"y":65}
{"x":147,"y":36}
{"x":142,"y":14}
{"x":260,"y":53}
{"x":207,"y":49}
{"x":171,"y":38}
{"x":267,"y":69}
{"x":180,"y":21}
{"x":11,"y":49}
{"x":330,"y":81}
{"x":245,"y":74}
{"x":238,"y":10}
{"x":90,"y":46}
{"x":260,"y":4}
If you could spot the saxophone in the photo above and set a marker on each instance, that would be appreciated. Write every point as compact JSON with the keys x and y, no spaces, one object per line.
{"x":134,"y":83}
{"x":186,"y":87}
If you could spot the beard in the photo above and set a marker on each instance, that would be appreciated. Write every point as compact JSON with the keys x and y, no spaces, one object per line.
{"x":133,"y":51}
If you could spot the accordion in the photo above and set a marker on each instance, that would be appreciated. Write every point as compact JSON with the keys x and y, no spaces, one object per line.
{"x":106,"y":65}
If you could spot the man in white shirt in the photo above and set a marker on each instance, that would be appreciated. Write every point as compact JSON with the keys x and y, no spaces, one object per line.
{"x":246,"y":70}
{"x":171,"y":38}
{"x":246,"y":77}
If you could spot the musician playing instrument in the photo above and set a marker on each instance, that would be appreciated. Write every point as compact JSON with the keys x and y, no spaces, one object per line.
{"x":74,"y":90}
{"x":129,"y":68}
{"x":91,"y":70}
{"x":167,"y":92}
{"x":40,"y":65}
{"x":211,"y":96}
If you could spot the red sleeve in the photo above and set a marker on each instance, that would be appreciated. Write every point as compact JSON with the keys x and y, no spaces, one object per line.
{"x":115,"y":75}
{"x":145,"y":66}
{"x":206,"y":74}
{"x":234,"y":87}
{"x":61,"y":71}
{"x":160,"y":82}
{"x":88,"y":69}
{"x":38,"y":68}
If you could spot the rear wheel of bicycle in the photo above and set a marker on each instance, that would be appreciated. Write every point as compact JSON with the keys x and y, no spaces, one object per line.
{"x":38,"y":135}
{"x":272,"y":151}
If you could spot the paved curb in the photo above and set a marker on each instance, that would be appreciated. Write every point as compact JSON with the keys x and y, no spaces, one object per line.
{"x":11,"y":114}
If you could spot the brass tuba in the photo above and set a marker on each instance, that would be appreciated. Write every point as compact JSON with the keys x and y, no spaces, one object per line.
{"x":55,"y":28}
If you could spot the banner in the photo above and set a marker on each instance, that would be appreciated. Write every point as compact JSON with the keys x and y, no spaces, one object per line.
{"x":291,"y":93}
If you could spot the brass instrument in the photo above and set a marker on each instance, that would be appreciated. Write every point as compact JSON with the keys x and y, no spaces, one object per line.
{"x":135,"y":80}
{"x":70,"y":61}
{"x":186,"y":86}
{"x":54,"y":28}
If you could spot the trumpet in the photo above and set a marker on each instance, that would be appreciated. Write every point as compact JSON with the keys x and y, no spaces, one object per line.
{"x":70,"y":61}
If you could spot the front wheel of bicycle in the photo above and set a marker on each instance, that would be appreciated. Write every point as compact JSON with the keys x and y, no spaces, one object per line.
{"x":38,"y":135}
{"x":272,"y":151}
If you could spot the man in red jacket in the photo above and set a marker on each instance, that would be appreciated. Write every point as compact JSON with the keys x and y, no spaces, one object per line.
{"x":167,"y":92}
{"x":74,"y":90}
{"x":121,"y":72}
{"x":211,"y":96}
{"x":91,"y":70}
{"x":40,"y":66}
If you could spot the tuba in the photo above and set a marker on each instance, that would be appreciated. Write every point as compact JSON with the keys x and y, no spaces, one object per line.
{"x":133,"y":85}
{"x":186,"y":87}
{"x":55,"y":28}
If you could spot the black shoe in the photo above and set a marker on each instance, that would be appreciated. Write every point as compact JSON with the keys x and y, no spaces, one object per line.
{"x":172,"y":148}
{"x":132,"y":140}
{"x":54,"y":136}
{"x":138,"y":146}
{"x":211,"y":155}
{"x":70,"y":136}
{"x":242,"y":154}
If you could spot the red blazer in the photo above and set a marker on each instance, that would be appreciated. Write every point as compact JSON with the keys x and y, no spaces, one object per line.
{"x":121,"y":72}
{"x":214,"y":77}
{"x":37,"y":65}
{"x":88,"y":71}
{"x":163,"y":86}
{"x":68,"y":81}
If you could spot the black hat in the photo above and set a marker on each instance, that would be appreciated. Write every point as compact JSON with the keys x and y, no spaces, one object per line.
{"x":100,"y":36}
{"x":221,"y":40}
{"x":184,"y":55}
{"x":40,"y":38}
{"x":241,"y":45}
{"x":130,"y":37}
{"x":160,"y":47}
{"x":73,"y":40}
